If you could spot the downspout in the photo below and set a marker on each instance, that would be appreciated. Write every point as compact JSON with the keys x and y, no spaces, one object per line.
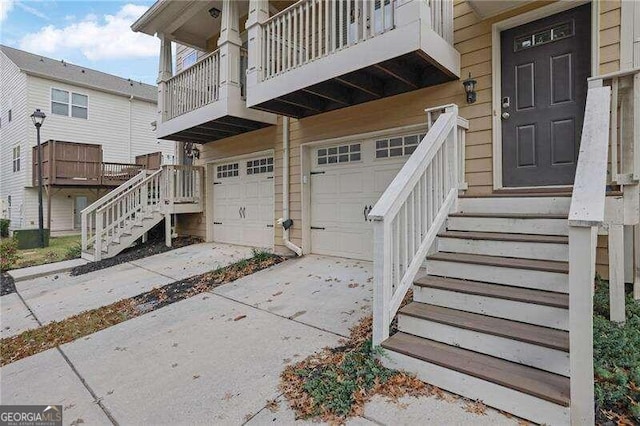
{"x":285,"y":189}
{"x":130,"y":129}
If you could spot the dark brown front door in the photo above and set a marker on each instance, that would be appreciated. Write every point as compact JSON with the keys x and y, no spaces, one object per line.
{"x":545,"y":66}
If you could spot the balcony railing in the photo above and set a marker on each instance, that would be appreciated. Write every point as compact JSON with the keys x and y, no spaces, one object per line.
{"x":79,"y":164}
{"x":312,"y":29}
{"x":195,"y":87}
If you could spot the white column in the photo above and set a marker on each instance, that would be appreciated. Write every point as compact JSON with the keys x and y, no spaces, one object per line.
{"x":582,"y":256}
{"x":229,"y":45}
{"x":165,"y":72}
{"x":258,"y":13}
{"x":616,"y":273}
{"x":408,"y":11}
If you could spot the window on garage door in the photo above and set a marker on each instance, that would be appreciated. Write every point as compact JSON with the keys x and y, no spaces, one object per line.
{"x":347,"y":153}
{"x":397,"y":146}
{"x":227,"y":170}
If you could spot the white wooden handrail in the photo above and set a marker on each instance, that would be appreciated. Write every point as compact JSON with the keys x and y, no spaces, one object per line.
{"x":88,"y":214}
{"x":409,"y":215}
{"x":586,"y":214}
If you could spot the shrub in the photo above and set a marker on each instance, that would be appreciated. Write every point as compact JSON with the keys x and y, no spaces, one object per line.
{"x":8,"y":254}
{"x":73,"y":252}
{"x":4,"y":227}
{"x":616,"y":356}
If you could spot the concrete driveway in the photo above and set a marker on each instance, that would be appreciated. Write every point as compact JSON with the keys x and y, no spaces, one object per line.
{"x":214,"y":358}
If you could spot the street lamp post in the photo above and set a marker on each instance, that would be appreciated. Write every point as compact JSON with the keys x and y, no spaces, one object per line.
{"x":38,"y":118}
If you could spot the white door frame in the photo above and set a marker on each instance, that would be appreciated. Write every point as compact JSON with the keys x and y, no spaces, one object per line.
{"x":306,"y":164}
{"x":496,"y":61}
{"x":210,"y":174}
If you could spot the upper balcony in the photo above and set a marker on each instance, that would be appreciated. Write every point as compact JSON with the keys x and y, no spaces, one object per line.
{"x":206,"y":101}
{"x":318,"y":55}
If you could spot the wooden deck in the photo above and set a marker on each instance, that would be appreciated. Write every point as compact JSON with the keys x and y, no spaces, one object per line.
{"x":72,"y":164}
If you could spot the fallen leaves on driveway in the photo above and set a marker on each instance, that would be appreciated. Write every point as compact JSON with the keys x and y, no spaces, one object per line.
{"x":57,"y":333}
{"x":335,"y":384}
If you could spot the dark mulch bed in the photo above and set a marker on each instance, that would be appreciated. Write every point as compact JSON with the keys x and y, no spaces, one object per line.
{"x":136,"y":252}
{"x":7,"y":285}
{"x":57,"y":333}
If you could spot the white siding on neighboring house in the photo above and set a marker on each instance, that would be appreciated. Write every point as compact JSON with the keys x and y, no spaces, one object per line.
{"x":13,"y":88}
{"x":121,"y":125}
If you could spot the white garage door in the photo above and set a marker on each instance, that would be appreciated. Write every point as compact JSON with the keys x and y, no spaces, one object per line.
{"x":243,"y":202}
{"x":346,"y":181}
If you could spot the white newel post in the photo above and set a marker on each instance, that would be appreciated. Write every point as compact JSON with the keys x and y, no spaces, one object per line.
{"x":229,"y":45}
{"x":258,"y":13}
{"x":165,"y":72}
{"x":382,"y":264}
{"x":582,"y":261}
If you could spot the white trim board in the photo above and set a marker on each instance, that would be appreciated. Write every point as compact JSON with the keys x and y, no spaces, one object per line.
{"x":496,"y":68}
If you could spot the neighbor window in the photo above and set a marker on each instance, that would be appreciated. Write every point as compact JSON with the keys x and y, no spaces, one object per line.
{"x":69,"y":104}
{"x":189,"y":60}
{"x":16,"y":158}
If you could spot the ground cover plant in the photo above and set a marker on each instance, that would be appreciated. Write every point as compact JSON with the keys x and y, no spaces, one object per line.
{"x":57,"y":333}
{"x":616,"y":357}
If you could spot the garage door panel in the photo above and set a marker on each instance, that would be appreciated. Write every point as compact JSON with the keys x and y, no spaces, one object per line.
{"x":343,"y":191}
{"x":243,"y":205}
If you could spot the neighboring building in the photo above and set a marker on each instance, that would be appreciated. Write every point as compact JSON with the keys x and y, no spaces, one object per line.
{"x":83,"y":106}
{"x":331,"y":111}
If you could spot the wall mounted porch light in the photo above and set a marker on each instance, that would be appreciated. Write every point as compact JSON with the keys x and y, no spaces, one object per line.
{"x":470,"y":89}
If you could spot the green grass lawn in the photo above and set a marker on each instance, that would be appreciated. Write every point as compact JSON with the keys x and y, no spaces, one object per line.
{"x":60,"y":248}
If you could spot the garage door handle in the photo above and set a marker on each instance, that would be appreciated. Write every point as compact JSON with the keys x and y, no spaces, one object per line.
{"x":364,"y":212}
{"x":217,"y":223}
{"x":318,"y":227}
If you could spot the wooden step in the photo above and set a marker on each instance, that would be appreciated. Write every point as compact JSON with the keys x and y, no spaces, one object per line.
{"x":498,"y":236}
{"x":503,"y":262}
{"x":540,"y":384}
{"x":536,"y":335}
{"x":511,"y":215}
{"x":517,"y":294}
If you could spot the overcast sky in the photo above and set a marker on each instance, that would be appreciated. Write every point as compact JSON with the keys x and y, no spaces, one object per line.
{"x":94,"y":34}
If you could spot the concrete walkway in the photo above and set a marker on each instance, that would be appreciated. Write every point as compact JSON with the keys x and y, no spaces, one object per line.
{"x":216,"y":358}
{"x":58,"y":296}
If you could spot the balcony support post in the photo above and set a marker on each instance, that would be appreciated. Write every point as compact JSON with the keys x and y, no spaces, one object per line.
{"x":229,"y":45}
{"x":165,"y":72}
{"x":408,"y":11}
{"x":258,"y":14}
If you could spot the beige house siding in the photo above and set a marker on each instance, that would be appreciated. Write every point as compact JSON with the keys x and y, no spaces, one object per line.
{"x":472,"y":38}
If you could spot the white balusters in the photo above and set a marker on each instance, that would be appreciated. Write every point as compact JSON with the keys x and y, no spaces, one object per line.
{"x":410,"y":213}
{"x":193,"y":88}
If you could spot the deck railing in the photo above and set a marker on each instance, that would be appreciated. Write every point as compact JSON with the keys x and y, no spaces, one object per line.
{"x":115,"y":173}
{"x":193,"y":88}
{"x":409,"y":215}
{"x":311,"y":29}
{"x":183,"y":183}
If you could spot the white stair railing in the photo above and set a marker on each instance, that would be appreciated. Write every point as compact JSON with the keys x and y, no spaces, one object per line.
{"x":88,"y":215}
{"x":586,"y":214}
{"x":127,"y":209}
{"x":409,"y":215}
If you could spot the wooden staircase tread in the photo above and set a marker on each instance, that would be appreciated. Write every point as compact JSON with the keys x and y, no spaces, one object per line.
{"x":517,"y":294}
{"x":541,"y":384}
{"x":504,"y":262}
{"x":510,"y":215}
{"x":499,"y":236}
{"x":528,"y":333}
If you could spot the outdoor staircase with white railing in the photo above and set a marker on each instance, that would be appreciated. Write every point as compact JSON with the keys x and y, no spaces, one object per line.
{"x":502,"y":284}
{"x":122,"y":217}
